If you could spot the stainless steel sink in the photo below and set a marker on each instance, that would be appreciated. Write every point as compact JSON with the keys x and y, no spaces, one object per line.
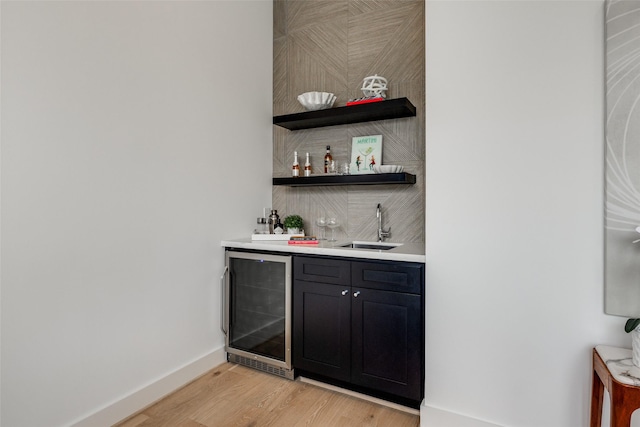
{"x":379,"y":246}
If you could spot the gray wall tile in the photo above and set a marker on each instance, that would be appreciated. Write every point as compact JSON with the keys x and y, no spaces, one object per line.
{"x":331,"y":46}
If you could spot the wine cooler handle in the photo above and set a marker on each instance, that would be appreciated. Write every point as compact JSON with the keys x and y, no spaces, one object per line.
{"x":223,"y":308}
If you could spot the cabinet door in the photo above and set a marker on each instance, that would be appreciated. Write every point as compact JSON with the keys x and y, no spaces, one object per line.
{"x":321,"y":329}
{"x":387,"y":342}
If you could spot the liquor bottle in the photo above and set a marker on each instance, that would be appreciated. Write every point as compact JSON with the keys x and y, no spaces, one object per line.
{"x":327,"y":159}
{"x":295,"y":169}
{"x":278,"y":228}
{"x":307,"y":166}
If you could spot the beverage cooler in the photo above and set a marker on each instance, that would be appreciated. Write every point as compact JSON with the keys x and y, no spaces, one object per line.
{"x":257,"y":311}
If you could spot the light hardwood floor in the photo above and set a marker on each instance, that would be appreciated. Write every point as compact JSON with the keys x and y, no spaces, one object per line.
{"x":233,"y":395}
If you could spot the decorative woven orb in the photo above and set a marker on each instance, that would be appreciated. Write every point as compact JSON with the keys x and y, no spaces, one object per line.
{"x":374,"y":86}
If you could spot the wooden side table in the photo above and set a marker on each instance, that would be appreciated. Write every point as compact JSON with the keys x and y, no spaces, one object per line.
{"x":614,"y":370}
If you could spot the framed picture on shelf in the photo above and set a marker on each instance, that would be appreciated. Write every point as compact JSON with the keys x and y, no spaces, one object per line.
{"x":366,"y":151}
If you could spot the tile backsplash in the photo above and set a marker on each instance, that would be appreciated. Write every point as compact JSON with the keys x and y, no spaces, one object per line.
{"x":331,"y":46}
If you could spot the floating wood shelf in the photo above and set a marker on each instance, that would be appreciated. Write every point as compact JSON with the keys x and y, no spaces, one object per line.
{"x":388,"y":109}
{"x":374,"y":178}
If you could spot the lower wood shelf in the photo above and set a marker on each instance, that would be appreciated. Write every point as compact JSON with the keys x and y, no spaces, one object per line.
{"x":377,"y":178}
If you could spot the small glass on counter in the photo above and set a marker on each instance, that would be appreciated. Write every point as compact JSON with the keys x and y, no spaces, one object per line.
{"x":263,"y":226}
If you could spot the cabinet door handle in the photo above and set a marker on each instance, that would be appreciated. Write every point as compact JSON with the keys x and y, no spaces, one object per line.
{"x":355,"y":294}
{"x":346,"y":291}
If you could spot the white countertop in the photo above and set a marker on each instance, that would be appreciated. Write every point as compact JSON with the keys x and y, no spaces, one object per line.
{"x":409,"y":252}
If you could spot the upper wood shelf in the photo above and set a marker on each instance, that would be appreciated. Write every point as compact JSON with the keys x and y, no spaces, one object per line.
{"x":388,"y":109}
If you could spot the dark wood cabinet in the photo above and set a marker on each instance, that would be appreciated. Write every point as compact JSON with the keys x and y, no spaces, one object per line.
{"x":365,"y":331}
{"x":322,"y":336}
{"x":322,"y":314}
{"x":386,"y":344}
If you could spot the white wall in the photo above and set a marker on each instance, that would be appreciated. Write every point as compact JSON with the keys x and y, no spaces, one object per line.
{"x":119,"y":124}
{"x":514,"y":212}
{"x":135,"y":136}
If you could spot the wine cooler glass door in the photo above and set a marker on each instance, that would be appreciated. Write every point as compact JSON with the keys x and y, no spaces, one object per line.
{"x":259,"y":301}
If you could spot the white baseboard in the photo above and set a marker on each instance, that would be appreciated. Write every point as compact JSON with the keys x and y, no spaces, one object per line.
{"x":436,"y":417}
{"x":144,"y":397}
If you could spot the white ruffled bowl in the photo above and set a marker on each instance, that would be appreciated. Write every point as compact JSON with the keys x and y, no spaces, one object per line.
{"x":313,"y":101}
{"x":388,"y":168}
